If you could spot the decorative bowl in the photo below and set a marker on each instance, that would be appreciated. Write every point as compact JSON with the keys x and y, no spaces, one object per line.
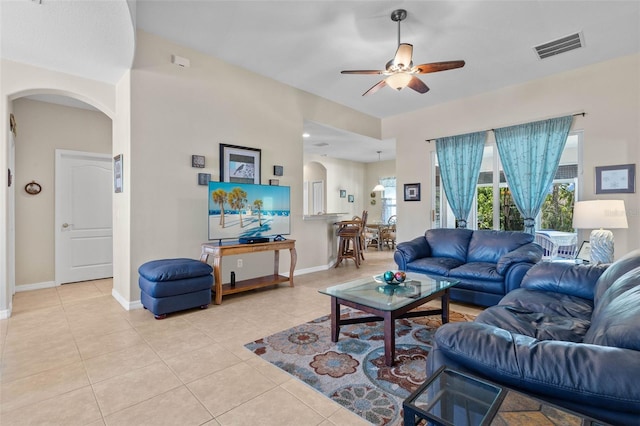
{"x":389,"y":277}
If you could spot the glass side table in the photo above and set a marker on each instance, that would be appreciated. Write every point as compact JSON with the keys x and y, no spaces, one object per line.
{"x":451,"y":398}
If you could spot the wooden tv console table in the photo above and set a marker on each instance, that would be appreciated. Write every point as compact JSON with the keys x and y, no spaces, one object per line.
{"x":219,"y":250}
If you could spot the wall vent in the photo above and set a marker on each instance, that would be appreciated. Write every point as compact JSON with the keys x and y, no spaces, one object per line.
{"x":321,"y":144}
{"x":561,"y":45}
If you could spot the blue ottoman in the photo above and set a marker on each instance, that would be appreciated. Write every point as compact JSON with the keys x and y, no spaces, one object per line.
{"x":171,"y":285}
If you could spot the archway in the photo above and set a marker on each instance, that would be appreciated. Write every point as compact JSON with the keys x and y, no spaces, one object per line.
{"x":11,"y":233}
{"x":315,"y":188}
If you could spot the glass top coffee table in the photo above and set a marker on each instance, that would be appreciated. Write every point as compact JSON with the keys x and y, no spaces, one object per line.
{"x":387,"y":303}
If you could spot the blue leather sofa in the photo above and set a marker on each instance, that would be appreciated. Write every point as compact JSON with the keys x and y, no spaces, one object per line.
{"x":488,"y":264}
{"x":570,"y":335}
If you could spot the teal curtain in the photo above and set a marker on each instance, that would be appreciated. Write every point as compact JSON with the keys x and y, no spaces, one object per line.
{"x":460,"y":158}
{"x":530,"y":154}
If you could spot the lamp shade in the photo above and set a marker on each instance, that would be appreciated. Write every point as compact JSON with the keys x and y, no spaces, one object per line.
{"x":398,"y":80}
{"x":378,"y":188}
{"x":595,"y":214}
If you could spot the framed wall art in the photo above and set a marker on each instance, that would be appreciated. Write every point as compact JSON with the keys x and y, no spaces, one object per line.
{"x":343,"y":193}
{"x":197,"y":161}
{"x":204,"y":178}
{"x":616,"y":179}
{"x":117,"y":173}
{"x":351,"y":198}
{"x":239,"y":164}
{"x":412,"y":192}
{"x":585,"y":251}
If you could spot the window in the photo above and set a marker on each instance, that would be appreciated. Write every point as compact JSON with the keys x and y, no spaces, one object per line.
{"x":388,"y":198}
{"x":494,"y":207}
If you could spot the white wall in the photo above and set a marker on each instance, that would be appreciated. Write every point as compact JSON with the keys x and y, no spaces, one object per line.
{"x":164,"y":114}
{"x":177,"y":112}
{"x":121,"y":202}
{"x":342,"y":174}
{"x":43,"y":128}
{"x":608,"y":92}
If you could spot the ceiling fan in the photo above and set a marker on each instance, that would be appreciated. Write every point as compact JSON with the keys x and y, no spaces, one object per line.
{"x":400,"y":71}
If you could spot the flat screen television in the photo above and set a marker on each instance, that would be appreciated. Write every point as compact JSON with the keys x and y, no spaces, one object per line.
{"x":239,"y":210}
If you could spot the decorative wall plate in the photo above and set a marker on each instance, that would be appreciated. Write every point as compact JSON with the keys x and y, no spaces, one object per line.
{"x":33,"y":188}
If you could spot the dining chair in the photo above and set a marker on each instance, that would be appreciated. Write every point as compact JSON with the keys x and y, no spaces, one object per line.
{"x":388,"y":233}
{"x":549,"y":247}
{"x":371,"y":236}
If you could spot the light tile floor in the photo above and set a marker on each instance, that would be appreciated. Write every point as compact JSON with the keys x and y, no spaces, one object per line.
{"x":71,"y":355}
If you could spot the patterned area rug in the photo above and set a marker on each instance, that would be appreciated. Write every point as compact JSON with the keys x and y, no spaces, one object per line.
{"x":352,"y":371}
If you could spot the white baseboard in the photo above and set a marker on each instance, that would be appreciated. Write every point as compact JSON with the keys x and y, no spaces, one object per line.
{"x":35,"y":286}
{"x":129,"y":306}
{"x":6,"y":313}
{"x":311,"y":270}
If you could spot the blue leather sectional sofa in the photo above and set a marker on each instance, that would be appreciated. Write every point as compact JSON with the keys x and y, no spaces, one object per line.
{"x":570,"y":335}
{"x":488,"y":264}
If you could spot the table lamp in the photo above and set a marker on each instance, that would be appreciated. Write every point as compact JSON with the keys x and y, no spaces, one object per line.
{"x":596,"y":215}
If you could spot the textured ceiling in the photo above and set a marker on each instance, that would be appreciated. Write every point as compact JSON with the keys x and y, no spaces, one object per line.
{"x":92,"y":39}
{"x":305,"y":44}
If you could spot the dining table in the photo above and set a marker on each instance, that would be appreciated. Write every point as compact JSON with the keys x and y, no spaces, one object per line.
{"x":379,"y":227}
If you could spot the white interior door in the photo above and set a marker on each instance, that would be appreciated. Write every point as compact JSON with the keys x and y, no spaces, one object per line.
{"x":84,"y":237}
{"x":318,"y":197}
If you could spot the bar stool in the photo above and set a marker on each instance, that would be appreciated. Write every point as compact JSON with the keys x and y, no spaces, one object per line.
{"x":349,"y":243}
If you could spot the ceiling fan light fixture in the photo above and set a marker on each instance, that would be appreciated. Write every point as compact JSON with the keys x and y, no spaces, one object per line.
{"x":403,"y":56}
{"x":398,"y":80}
{"x":399,"y":71}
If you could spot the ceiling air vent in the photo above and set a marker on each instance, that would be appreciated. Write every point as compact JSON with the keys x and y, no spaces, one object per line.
{"x":321,"y":144}
{"x":561,"y":45}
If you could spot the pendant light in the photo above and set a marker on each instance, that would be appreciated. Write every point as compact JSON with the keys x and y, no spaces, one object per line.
{"x":378,"y":187}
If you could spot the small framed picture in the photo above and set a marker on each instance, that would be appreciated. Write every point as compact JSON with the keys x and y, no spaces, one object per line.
{"x":616,"y":179}
{"x":278,"y":170}
{"x":239,"y":164}
{"x":117,"y":173}
{"x":412,"y":192}
{"x":585,"y":251}
{"x":351,"y":198}
{"x":197,"y":161}
{"x":343,"y":193}
{"x":204,"y":178}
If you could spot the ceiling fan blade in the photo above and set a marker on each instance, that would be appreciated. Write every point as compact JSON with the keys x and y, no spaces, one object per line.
{"x":437,"y":66}
{"x":403,"y":55}
{"x":418,"y":85}
{"x":361,"y":72}
{"x":379,"y":85}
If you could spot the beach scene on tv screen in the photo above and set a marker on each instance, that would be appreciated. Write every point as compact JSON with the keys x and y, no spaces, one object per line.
{"x":247,"y":210}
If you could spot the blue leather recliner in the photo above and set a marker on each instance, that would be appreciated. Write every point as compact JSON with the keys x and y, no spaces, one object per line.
{"x":570,"y":335}
{"x":488,"y":264}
